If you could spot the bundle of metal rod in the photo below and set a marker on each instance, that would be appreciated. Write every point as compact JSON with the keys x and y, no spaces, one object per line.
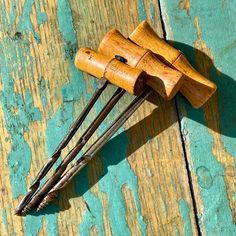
{"x":133,"y":69}
{"x":39,"y":197}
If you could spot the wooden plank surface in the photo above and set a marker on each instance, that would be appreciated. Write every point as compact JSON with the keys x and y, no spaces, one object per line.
{"x":138,"y":184}
{"x":205,"y":32}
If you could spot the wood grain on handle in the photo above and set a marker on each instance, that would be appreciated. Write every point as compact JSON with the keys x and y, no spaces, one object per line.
{"x":118,"y":73}
{"x":196,"y":88}
{"x":165,"y":80}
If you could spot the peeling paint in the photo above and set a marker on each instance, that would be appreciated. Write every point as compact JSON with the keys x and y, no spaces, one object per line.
{"x":152,"y":11}
{"x":4,"y":219}
{"x":42,"y":89}
{"x":141,"y":10}
{"x":186,"y":217}
{"x":118,"y":174}
{"x":185,"y":5}
{"x":203,"y":30}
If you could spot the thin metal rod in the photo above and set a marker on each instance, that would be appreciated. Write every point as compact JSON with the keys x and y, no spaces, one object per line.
{"x":89,"y":154}
{"x":36,"y":183}
{"x":36,"y":199}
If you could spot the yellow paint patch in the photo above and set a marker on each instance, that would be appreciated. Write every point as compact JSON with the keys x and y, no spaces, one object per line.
{"x":106,"y":221}
{"x":131,"y":210}
{"x":185,"y":5}
{"x":201,"y":45}
{"x":94,"y":231}
{"x":43,"y":231}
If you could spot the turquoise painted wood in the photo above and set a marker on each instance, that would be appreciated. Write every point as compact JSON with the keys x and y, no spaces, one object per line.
{"x":205,"y":32}
{"x":138,"y":184}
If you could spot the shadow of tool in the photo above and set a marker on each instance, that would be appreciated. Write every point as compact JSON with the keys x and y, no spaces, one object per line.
{"x":222,"y":107}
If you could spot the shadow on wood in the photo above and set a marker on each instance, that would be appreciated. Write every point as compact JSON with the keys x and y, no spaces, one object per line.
{"x":222,"y":107}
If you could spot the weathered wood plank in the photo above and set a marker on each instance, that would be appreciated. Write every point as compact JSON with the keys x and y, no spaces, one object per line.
{"x":204,"y":31}
{"x":138,"y":183}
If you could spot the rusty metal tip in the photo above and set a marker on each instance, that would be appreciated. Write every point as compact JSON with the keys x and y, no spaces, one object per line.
{"x":41,"y":206}
{"x":47,"y":199}
{"x":18,"y":213}
{"x":26,"y":209}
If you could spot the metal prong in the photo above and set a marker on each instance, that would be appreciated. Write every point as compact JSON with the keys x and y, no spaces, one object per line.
{"x":36,"y":183}
{"x":90,"y":153}
{"x":36,"y":199}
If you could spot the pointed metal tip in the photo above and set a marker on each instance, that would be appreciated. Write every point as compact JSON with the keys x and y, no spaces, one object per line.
{"x":18,"y":213}
{"x":46,"y":200}
{"x":25,"y":210}
{"x":42,"y":205}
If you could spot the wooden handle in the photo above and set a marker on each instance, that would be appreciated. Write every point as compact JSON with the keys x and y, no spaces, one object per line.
{"x":196,"y":88}
{"x":118,"y":73}
{"x":163,"y":79}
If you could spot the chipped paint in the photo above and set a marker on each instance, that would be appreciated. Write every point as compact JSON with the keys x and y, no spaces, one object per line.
{"x":141,"y":10}
{"x":118,"y":172}
{"x":131,"y":210}
{"x":19,"y":159}
{"x":33,"y":37}
{"x":184,"y":209}
{"x":152,"y":11}
{"x":204,"y":32}
{"x":19,"y":108}
{"x":42,"y":89}
{"x":4,"y":219}
{"x":51,"y":221}
{"x":185,"y":5}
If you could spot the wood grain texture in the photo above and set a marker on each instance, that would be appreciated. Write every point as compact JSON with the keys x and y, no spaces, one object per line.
{"x":203,"y":31}
{"x":138,"y":183}
{"x":196,"y":88}
{"x":116,"y":72}
{"x":163,"y":79}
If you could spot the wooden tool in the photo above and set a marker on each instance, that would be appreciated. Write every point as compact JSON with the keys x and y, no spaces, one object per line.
{"x":100,"y":66}
{"x":106,"y":68}
{"x":163,"y":79}
{"x":196,"y":88}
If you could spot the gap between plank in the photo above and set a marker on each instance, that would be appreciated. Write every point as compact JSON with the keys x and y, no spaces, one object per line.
{"x":182,"y":139}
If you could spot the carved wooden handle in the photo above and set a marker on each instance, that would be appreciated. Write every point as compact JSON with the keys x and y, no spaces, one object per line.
{"x":118,"y":73}
{"x":163,"y":79}
{"x":196,"y":88}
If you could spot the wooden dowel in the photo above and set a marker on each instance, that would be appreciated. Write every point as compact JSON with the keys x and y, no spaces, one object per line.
{"x":116,"y":72}
{"x":165,"y":80}
{"x":196,"y":88}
